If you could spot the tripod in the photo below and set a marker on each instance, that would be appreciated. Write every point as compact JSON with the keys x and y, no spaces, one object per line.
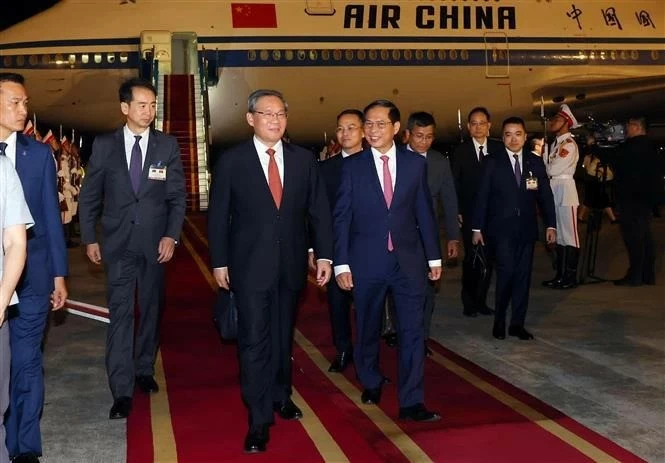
{"x":594,"y":224}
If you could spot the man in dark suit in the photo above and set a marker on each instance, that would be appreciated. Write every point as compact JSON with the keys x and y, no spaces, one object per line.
{"x":419,"y":138}
{"x":385,"y":237}
{"x":266,"y":202}
{"x":505,"y":218}
{"x":135,"y":182}
{"x":43,"y":281}
{"x":350,"y":136}
{"x":466,"y":163}
{"x":638,"y":172}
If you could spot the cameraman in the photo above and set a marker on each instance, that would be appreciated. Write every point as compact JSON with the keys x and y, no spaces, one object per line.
{"x":598,"y":184}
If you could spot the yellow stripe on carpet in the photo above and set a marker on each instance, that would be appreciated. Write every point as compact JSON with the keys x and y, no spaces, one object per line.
{"x":163,"y":440}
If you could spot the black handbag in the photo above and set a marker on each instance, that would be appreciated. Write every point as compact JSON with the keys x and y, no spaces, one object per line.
{"x":225,"y":314}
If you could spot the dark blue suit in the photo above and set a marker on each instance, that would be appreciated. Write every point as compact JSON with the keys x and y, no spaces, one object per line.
{"x":361,"y":225}
{"x":507,"y":217}
{"x":47,"y":259}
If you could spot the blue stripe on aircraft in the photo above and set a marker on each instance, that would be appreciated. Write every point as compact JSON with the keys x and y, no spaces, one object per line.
{"x":352,"y":57}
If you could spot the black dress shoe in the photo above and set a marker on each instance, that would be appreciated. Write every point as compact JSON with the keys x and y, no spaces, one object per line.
{"x":121,"y":408}
{"x":520,"y":332}
{"x":484,"y":310}
{"x":341,"y":362}
{"x":470,"y":313}
{"x":256,"y":439}
{"x":287,"y":410}
{"x":26,"y":458}
{"x":419,"y":413}
{"x":390,"y":339}
{"x":371,"y":396}
{"x":147,"y":384}
{"x":499,"y":330}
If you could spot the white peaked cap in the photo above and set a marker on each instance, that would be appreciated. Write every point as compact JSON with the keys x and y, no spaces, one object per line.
{"x":567,"y":114}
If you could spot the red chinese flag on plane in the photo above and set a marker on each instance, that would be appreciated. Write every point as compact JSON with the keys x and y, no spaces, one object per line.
{"x":253,"y":15}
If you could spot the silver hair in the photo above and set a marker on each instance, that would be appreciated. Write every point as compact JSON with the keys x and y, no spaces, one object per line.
{"x":257,"y":94}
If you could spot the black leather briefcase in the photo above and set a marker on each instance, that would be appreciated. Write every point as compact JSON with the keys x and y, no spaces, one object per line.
{"x":225,"y":315}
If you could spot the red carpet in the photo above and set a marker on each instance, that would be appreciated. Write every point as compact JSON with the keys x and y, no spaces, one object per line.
{"x":209,"y":420}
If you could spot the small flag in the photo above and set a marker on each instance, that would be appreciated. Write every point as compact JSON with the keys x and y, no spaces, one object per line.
{"x":29,"y":129}
{"x":253,"y":15}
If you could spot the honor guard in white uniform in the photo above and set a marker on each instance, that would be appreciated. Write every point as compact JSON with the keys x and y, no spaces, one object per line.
{"x":561,"y":162}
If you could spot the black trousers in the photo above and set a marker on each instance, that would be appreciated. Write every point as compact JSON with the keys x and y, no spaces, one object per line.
{"x":513,"y":260}
{"x":126,"y":357}
{"x":265,"y":340}
{"x":635,"y":223}
{"x":339,"y":305}
{"x":474,"y":285}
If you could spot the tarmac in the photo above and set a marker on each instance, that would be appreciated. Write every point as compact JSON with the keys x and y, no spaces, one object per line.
{"x":598,"y":356}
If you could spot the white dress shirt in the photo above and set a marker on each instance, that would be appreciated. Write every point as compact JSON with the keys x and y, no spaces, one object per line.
{"x":392,"y":167}
{"x":411,"y":149}
{"x":477,"y":145}
{"x":345,"y":154}
{"x":129,"y":144}
{"x":10,"y":150}
{"x":264,"y":157}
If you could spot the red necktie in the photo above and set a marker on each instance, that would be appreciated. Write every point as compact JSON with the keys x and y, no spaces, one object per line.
{"x":274,"y":181}
{"x":387,"y":192}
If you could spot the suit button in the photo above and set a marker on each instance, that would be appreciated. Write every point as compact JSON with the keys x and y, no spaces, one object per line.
{"x":137,"y":200}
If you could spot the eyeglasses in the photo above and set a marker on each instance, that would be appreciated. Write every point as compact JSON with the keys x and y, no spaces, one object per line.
{"x":478,"y":124}
{"x":350,"y":128}
{"x":381,"y":125}
{"x":423,"y":137}
{"x":282,"y":115}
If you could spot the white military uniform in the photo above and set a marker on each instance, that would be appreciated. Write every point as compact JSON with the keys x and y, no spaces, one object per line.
{"x":561,"y":164}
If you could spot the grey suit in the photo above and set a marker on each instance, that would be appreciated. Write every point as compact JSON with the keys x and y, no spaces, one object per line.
{"x":442,"y":186}
{"x":132,"y":226}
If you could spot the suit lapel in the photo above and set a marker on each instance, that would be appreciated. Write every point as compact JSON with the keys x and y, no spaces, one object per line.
{"x":120,"y":159}
{"x":22,"y":160}
{"x":401,"y":164}
{"x":256,"y":171}
{"x":288,"y":172}
{"x":373,"y":175}
{"x":153,"y":149}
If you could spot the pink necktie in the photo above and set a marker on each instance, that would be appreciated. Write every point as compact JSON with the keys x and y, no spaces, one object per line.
{"x":387,"y":192}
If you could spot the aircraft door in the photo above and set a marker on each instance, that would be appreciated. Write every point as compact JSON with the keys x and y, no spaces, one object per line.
{"x":497,"y":55}
{"x":158,"y":43}
{"x":319,"y":7}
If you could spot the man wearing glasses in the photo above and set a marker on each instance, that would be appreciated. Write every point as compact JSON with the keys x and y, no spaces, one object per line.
{"x":385,"y":236}
{"x":266,"y":203}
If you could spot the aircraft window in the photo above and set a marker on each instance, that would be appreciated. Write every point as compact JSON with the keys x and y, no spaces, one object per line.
{"x":325,"y":55}
{"x":276,"y":55}
{"x":348,"y":54}
{"x":396,"y":54}
{"x":85,"y":59}
{"x":313,"y":55}
{"x":373,"y":55}
{"x":430,"y":55}
{"x":385,"y":55}
{"x":408,"y":55}
{"x":7,"y":61}
{"x":442,"y":55}
{"x":20,"y":60}
{"x":337,"y":54}
{"x":634,"y":55}
{"x":98,"y":58}
{"x":654,"y":54}
{"x":301,"y":55}
{"x":465,"y":55}
{"x":613,"y":54}
{"x":362,"y":55}
{"x":288,"y":55}
{"x":110,"y":58}
{"x":624,"y":54}
{"x":603,"y":55}
{"x":46,"y":59}
{"x":71,"y":59}
{"x":264,"y":55}
{"x":420,"y":55}
{"x":251,"y":55}
{"x":592,"y":55}
{"x":58,"y":59}
{"x":453,"y":54}
{"x":123,"y":57}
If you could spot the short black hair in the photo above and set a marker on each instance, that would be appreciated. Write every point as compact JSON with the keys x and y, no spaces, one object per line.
{"x":350,"y":112}
{"x":420,"y":119}
{"x":479,"y":109}
{"x":393,"y":112}
{"x":513,"y":120}
{"x":12,"y":77}
{"x":126,"y":90}
{"x":639,"y":120}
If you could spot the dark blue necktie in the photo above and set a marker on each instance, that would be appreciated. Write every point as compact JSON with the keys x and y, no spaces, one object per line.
{"x":3,"y":147}
{"x":518,"y":171}
{"x":135,"y":167}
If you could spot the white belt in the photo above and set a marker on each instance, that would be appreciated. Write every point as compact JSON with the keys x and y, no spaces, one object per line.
{"x":561,"y":177}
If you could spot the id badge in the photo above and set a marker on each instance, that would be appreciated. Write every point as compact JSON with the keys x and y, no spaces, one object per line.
{"x":531,"y":182}
{"x":157,"y":172}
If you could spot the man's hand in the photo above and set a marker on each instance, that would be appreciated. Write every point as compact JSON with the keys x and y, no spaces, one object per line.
{"x":460,"y":220}
{"x":3,"y":314}
{"x":434,"y":273}
{"x":550,"y":236}
{"x":222,"y":277}
{"x":453,"y":246}
{"x":477,"y":238}
{"x":311,"y":261}
{"x":323,"y":272}
{"x":345,"y":281}
{"x":59,"y":295}
{"x":165,"y":249}
{"x":94,"y":253}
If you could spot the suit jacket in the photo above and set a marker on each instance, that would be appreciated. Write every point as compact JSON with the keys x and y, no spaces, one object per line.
{"x":466,"y":170}
{"x":248,"y":234}
{"x":362,"y":219}
{"x":505,"y":210}
{"x":47,"y":251}
{"x":331,"y":172}
{"x":442,"y":186}
{"x":159,"y":206}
